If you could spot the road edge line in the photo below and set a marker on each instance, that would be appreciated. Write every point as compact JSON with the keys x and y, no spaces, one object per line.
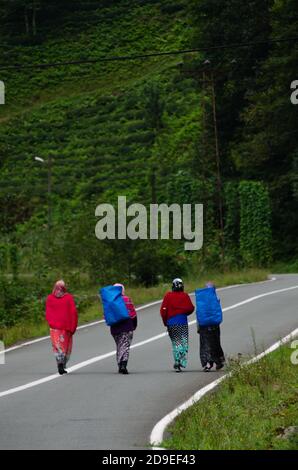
{"x":156,"y":436}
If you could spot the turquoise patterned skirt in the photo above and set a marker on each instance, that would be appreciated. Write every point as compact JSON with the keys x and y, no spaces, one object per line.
{"x":179,"y":337}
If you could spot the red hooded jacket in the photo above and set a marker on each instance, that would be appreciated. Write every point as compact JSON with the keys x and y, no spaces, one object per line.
{"x":61,"y":313}
{"x":175,"y":303}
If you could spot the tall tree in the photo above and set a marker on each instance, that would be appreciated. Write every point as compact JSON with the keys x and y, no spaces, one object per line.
{"x":267,"y":147}
{"x":231,"y":23}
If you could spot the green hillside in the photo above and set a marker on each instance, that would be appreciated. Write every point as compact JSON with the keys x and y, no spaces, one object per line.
{"x":95,"y":119}
{"x":89,"y":117}
{"x":110,"y":128}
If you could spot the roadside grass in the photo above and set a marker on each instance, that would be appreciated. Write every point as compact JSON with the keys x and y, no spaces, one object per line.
{"x":91,"y":310}
{"x":248,"y":411}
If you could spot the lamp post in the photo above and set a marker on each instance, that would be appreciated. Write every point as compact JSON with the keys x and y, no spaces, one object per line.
{"x":49,"y":188}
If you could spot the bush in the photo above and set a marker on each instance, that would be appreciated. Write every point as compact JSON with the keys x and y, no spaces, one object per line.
{"x":19,"y":301}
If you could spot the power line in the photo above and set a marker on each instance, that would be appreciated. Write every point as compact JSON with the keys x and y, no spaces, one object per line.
{"x":9,"y":185}
{"x":93,"y":75}
{"x":146,"y":56}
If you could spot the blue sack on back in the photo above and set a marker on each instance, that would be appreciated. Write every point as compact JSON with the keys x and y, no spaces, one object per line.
{"x":114,"y":307}
{"x":208,"y":308}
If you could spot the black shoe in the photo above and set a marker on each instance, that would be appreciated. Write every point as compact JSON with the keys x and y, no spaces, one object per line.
{"x":208,"y":367}
{"x":177,"y":367}
{"x":219,"y":366}
{"x":61,"y":369}
{"x":122,"y":368}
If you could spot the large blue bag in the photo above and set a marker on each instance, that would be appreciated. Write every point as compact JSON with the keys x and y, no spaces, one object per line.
{"x":208,"y":309}
{"x":114,"y":307}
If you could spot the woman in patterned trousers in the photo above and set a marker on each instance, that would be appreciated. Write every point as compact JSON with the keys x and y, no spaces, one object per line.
{"x":122,"y":333}
{"x":175,"y":308}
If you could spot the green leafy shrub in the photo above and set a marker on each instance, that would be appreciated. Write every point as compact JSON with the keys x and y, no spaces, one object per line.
{"x":255,"y":223}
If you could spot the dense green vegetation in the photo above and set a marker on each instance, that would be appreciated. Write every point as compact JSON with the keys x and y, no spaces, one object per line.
{"x":144,"y":129}
{"x":23,"y":302}
{"x":251,"y":410}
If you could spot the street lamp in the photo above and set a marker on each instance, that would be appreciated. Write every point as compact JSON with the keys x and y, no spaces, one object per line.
{"x":49,"y":163}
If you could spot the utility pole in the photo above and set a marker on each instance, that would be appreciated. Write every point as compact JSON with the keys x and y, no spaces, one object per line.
{"x":209,"y":79}
{"x":49,"y":192}
{"x":49,"y":187}
{"x":217,"y":155}
{"x":153,"y":186}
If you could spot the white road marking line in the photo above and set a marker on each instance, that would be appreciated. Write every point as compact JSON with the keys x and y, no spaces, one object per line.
{"x":80,"y":365}
{"x":157,"y":433}
{"x":43,"y":338}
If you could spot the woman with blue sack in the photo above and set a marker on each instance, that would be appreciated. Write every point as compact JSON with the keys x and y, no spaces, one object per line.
{"x":121,"y":316}
{"x":209,"y":317}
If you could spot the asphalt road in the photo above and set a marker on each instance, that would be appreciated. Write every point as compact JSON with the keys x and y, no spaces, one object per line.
{"x":94,"y":407}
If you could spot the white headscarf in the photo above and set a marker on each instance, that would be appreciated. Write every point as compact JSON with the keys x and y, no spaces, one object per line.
{"x":120,"y":285}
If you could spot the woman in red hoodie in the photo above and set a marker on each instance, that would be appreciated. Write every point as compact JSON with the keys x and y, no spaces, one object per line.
{"x":62,"y":317}
{"x":175,"y":308}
